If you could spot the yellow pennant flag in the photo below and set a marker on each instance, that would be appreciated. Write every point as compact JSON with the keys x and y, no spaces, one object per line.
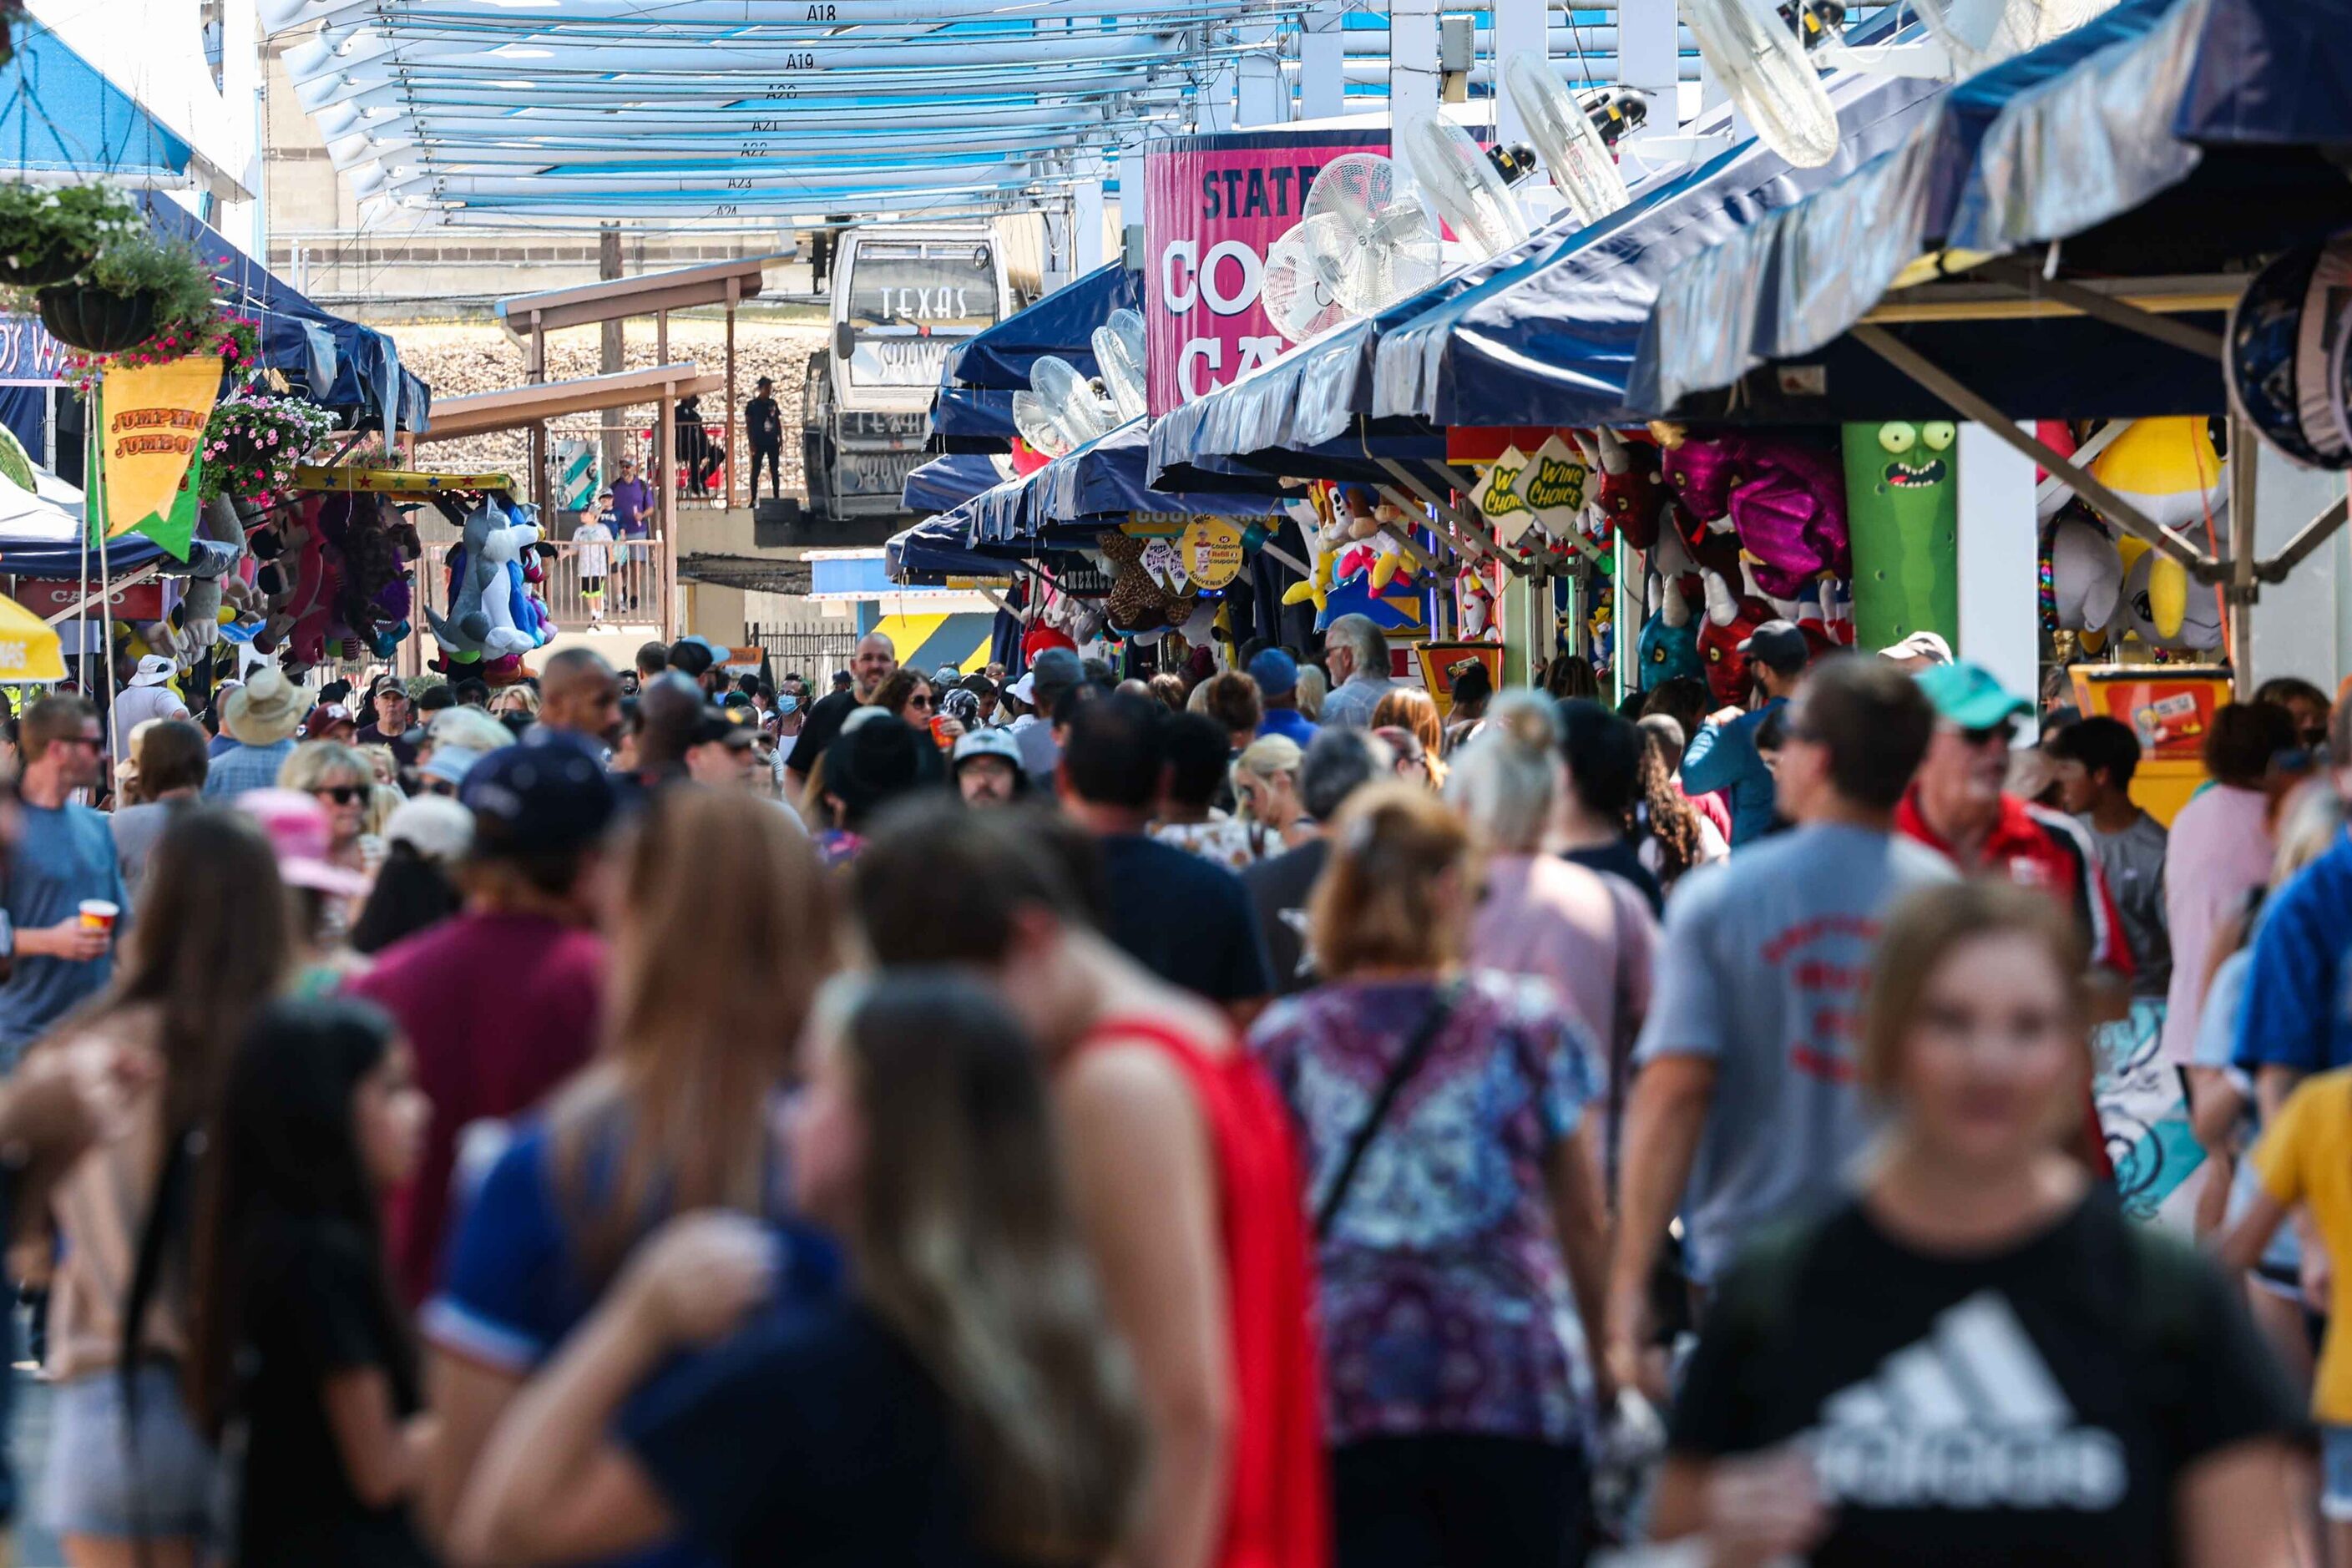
{"x":153,"y":420}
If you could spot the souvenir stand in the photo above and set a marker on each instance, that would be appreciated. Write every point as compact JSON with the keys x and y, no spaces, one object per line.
{"x":981,"y":445}
{"x":1105,"y":553}
{"x":2117,"y":258}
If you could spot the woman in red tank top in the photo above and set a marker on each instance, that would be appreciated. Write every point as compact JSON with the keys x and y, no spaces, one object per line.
{"x":1182,"y":1159}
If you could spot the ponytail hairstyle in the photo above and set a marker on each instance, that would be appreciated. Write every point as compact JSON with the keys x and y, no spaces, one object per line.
{"x":1507,"y":781}
{"x":965,"y":1245}
{"x":1377,"y":901}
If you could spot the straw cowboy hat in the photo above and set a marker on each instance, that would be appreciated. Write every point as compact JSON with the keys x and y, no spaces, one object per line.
{"x":263,"y":711}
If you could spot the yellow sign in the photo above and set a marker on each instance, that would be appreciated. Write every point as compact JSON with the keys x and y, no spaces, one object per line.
{"x":1211,"y":548}
{"x":1498,"y":499}
{"x":155,"y":418}
{"x":29,"y":648}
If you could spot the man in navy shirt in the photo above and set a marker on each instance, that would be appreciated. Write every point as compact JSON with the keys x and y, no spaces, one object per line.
{"x":2297,"y":1019}
{"x":1722,"y":755}
{"x":1185,"y":919}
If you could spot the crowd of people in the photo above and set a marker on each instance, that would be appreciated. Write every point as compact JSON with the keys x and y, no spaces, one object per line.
{"x":1252,"y":1118}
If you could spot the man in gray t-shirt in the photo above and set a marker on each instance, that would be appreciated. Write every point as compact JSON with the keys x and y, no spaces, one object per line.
{"x":2095,"y":760}
{"x":1744,"y":1109}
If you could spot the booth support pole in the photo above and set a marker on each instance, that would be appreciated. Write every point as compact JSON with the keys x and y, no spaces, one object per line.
{"x":726,"y":420}
{"x":2245,"y":468}
{"x":1412,"y":60}
{"x":1999,"y":543}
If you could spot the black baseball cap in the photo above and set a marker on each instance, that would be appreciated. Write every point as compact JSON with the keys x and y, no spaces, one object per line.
{"x":1779,"y":645}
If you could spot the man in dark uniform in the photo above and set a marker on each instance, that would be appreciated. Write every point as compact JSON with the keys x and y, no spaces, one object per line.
{"x":764,"y":425}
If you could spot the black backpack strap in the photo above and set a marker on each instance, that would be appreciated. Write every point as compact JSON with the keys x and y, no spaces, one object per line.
{"x":1408,"y":1062}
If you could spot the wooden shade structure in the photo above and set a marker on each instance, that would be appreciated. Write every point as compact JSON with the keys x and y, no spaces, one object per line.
{"x":529,"y":318}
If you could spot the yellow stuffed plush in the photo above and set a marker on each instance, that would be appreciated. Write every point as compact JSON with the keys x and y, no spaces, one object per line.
{"x":2169,"y":469}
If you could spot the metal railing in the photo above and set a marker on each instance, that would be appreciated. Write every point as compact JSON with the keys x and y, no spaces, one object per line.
{"x":725,"y":470}
{"x":812,"y":652}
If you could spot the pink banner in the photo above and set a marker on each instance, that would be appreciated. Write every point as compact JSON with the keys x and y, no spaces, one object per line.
{"x":1212,"y":207}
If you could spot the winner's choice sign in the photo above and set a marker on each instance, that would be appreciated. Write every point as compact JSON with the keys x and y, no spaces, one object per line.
{"x":1212,"y":207}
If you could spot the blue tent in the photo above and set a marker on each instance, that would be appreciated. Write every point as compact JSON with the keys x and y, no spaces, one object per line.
{"x":1320,"y":393}
{"x":1063,"y":323}
{"x":58,"y":115}
{"x":945,"y":483}
{"x":1551,"y":341}
{"x":2166,"y":139}
{"x":342,"y":364}
{"x":1105,"y":477}
{"x":973,"y":419}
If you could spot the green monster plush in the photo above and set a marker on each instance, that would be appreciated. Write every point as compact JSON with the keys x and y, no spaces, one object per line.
{"x":1902,"y":502}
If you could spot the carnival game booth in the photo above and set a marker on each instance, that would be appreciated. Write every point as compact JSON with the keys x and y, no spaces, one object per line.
{"x":2134,"y":236}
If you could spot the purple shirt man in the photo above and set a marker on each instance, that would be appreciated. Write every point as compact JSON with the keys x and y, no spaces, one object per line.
{"x":633,"y":502}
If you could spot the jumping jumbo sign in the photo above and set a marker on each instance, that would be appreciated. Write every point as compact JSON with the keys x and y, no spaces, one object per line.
{"x":1212,"y":207}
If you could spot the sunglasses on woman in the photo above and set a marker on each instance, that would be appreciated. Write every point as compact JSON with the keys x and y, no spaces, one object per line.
{"x":341,"y":795}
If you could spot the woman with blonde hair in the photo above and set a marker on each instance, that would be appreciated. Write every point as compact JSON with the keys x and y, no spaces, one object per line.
{"x":339,"y":778}
{"x":519,"y":701}
{"x":1265,"y":787}
{"x":2107,"y":1400}
{"x":1412,"y":710}
{"x":718,"y":891}
{"x":966,"y":1403}
{"x":1454,"y":1185}
{"x":1313,"y":687}
{"x":1589,"y":935}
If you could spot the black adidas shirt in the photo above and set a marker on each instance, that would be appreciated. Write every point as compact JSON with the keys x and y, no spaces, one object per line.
{"x":2033,"y":1407}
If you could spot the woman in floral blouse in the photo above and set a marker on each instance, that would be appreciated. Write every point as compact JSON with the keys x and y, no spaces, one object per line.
{"x":1453,"y":1181}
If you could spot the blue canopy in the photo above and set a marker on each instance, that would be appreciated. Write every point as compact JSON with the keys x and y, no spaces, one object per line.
{"x":936,"y":549}
{"x":1551,"y":341}
{"x":1103,"y":479}
{"x":2165,"y":137}
{"x":59,"y":115}
{"x":942,"y":547}
{"x":945,"y":483}
{"x":1063,"y":323}
{"x":973,"y":419}
{"x":1320,"y":391}
{"x":342,"y":364}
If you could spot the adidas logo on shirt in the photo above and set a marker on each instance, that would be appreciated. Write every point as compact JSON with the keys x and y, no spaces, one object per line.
{"x":1969,"y":1417}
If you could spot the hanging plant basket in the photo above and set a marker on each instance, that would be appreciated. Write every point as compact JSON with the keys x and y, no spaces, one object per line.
{"x":23,"y":271}
{"x":95,"y":321}
{"x":49,"y":235}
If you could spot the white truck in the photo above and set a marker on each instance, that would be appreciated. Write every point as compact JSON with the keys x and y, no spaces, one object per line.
{"x":902,"y":298}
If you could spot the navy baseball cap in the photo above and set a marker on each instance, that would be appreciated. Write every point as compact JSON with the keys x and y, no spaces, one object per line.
{"x":1052,"y":672}
{"x":535,"y":799}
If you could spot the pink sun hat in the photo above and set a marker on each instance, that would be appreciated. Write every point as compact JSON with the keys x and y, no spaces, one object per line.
{"x":299,"y":831}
